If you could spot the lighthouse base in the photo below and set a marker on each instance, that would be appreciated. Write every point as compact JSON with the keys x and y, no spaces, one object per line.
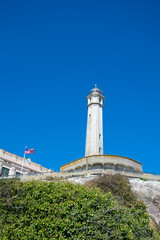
{"x":104,"y":162}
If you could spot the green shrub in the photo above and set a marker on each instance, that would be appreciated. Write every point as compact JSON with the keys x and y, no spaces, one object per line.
{"x":60,"y":210}
{"x":155,"y":226}
{"x":9,"y":180}
{"x":119,"y":186}
{"x":50,"y":178}
{"x":144,"y":179}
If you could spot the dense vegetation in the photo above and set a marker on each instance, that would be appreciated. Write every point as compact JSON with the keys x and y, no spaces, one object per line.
{"x":119,"y":186}
{"x":61,"y":210}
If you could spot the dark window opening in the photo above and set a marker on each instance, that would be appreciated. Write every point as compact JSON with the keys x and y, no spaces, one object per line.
{"x":5,"y":171}
{"x":18,"y":174}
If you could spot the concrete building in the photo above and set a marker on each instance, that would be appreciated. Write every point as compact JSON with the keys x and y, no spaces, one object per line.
{"x":94,"y":158}
{"x":94,"y":135}
{"x":103,"y":162}
{"x":13,"y":165}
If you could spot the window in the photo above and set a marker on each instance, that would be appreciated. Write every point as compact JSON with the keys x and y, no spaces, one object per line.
{"x":5,"y":171}
{"x":18,"y":174}
{"x":99,"y":150}
{"x":99,"y":136}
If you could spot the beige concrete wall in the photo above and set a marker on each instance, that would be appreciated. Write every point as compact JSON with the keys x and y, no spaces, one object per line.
{"x":103,"y":160}
{"x":14,"y":163}
{"x":88,"y":174}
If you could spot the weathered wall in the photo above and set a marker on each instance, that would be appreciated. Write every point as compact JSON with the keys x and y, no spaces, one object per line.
{"x":103,"y":162}
{"x":14,"y":163}
{"x":149,"y":193}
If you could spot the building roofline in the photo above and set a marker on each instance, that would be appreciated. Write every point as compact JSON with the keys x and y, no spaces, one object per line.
{"x":33,"y":164}
{"x":101,"y":156}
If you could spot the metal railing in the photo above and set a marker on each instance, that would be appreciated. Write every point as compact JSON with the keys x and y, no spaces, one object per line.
{"x":95,"y":90}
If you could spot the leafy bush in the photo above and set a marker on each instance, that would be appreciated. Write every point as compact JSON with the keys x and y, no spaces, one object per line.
{"x":61,"y":210}
{"x":50,"y":178}
{"x":119,"y":186}
{"x":9,"y":180}
{"x":144,"y":179}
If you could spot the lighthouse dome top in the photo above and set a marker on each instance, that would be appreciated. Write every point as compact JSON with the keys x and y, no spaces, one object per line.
{"x":96,"y":90}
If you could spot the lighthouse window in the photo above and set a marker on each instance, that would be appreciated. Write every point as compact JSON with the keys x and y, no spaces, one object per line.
{"x":99,"y":150}
{"x":99,"y":136}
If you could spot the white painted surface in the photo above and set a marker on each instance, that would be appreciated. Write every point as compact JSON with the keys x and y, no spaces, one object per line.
{"x":94,"y":134}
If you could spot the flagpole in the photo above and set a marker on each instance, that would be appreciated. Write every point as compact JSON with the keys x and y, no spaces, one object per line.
{"x":23,"y":160}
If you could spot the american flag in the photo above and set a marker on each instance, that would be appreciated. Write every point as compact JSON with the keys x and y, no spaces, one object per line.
{"x":29,"y":151}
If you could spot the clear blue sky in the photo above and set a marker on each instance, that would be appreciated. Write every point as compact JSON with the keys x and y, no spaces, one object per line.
{"x":51,"y":55}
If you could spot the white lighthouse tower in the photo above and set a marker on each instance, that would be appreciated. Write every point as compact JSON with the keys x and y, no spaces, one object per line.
{"x":94,"y":158}
{"x":94,"y":135}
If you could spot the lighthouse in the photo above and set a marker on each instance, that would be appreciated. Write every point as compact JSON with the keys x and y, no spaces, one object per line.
{"x":94,"y":134}
{"x":94,"y":159}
